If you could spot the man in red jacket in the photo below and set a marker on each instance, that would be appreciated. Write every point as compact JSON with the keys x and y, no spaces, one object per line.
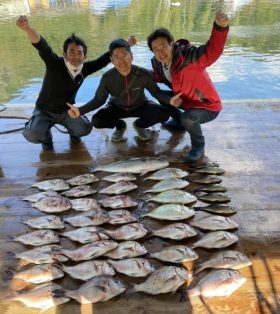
{"x":182,"y":67}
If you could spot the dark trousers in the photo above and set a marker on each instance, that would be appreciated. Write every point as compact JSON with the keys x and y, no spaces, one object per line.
{"x":148,"y":114}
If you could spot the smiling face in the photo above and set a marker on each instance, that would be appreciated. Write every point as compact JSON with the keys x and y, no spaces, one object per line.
{"x":163,"y":50}
{"x":75,"y":54}
{"x":122,"y":60}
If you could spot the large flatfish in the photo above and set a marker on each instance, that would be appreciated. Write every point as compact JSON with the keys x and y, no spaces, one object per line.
{"x":53,"y":204}
{"x":133,"y":267}
{"x":79,"y":191}
{"x":206,"y":221}
{"x":119,"y":188}
{"x":131,"y":231}
{"x":84,"y":204}
{"x":163,"y":280}
{"x":121,"y":216}
{"x":168,"y":173}
{"x":92,"y":217}
{"x":36,"y":238}
{"x":175,"y":231}
{"x":218,"y":209}
{"x":134,"y":165}
{"x":117,"y":177}
{"x":173,"y":196}
{"x":218,"y":283}
{"x":86,"y":234}
{"x":127,"y":249}
{"x":45,"y":222}
{"x":54,"y":185}
{"x":216,"y":239}
{"x":118,"y":201}
{"x":82,"y":179}
{"x":38,"y":196}
{"x":168,"y":184}
{"x":175,"y":254}
{"x":170,"y":212}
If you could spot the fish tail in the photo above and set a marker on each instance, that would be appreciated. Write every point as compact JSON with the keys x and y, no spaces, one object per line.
{"x":13,"y":294}
{"x":11,"y":254}
{"x":8,"y":274}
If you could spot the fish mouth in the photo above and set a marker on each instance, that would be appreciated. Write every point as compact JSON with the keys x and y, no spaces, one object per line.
{"x":58,"y":293}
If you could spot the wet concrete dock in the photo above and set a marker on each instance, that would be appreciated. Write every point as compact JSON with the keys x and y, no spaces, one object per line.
{"x":244,"y":140}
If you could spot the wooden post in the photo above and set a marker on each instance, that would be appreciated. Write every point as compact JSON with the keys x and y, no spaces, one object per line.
{"x":1,"y":172}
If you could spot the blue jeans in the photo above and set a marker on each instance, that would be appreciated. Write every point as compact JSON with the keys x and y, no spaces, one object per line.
{"x":191,"y":119}
{"x":37,"y":129}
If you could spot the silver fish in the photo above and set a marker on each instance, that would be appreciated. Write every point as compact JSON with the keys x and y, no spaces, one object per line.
{"x":36,"y":238}
{"x":97,"y":289}
{"x":170,"y":212}
{"x":210,"y":170}
{"x":90,"y":218}
{"x":53,"y":204}
{"x":41,"y":297}
{"x":206,"y":180}
{"x":121,"y":216}
{"x":82,"y":179}
{"x":87,"y":270}
{"x":84,"y":204}
{"x":168,"y":184}
{"x":226,"y":259}
{"x":163,"y":280}
{"x":41,"y":255}
{"x":131,"y":231}
{"x":127,"y":249}
{"x":134,"y":165}
{"x":216,"y":239}
{"x":54,"y":185}
{"x":37,"y":274}
{"x":45,"y":222}
{"x":175,"y":231}
{"x":218,"y":209}
{"x":119,"y":188}
{"x":133,"y":267}
{"x":175,"y":254}
{"x":119,"y":201}
{"x":86,"y":234}
{"x":206,"y":221}
{"x":168,"y":173}
{"x":90,"y":250}
{"x":215,"y":188}
{"x":38,"y":196}
{"x":218,"y":283}
{"x":79,"y":191}
{"x":117,"y":177}
{"x":174,"y":196}
{"x":213,"y":198}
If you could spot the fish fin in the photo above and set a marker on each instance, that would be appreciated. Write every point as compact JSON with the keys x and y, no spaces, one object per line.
{"x":8,"y":274}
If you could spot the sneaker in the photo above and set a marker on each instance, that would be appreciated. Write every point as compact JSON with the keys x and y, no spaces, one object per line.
{"x":118,"y":134}
{"x":47,"y":146}
{"x":195,"y":154}
{"x":143,"y":133}
{"x":75,"y":139}
{"x":173,"y":125}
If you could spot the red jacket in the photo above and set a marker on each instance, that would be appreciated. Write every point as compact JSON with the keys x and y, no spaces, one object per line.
{"x":188,"y":71}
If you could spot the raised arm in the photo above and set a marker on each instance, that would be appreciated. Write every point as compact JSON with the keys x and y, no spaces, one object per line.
{"x":23,"y":24}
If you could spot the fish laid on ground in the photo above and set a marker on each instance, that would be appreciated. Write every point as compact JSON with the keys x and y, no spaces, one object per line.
{"x":206,"y":180}
{"x":90,"y":251}
{"x":93,"y":217}
{"x":131,"y":231}
{"x":121,"y":216}
{"x":207,"y":221}
{"x":213,"y":164}
{"x":170,"y":212}
{"x":133,"y":267}
{"x":163,"y":280}
{"x":87,"y":270}
{"x":216,"y":239}
{"x":175,"y":254}
{"x":127,"y":249}
{"x":168,"y":173}
{"x":218,"y":209}
{"x":41,"y":254}
{"x":37,"y":274}
{"x":118,"y":201}
{"x":226,"y":259}
{"x":215,"y":188}
{"x":45,"y":222}
{"x":119,"y":188}
{"x":117,"y":177}
{"x":218,"y":283}
{"x":176,"y":231}
{"x":38,"y":196}
{"x":82,"y":179}
{"x":42,"y":296}
{"x":86,"y":234}
{"x":134,"y":165}
{"x":174,"y":196}
{"x":79,"y":191}
{"x":97,"y":289}
{"x":210,"y":170}
{"x":36,"y":238}
{"x":168,"y":184}
{"x":84,"y":204}
{"x":53,"y":204}
{"x":54,"y":185}
{"x":213,"y":198}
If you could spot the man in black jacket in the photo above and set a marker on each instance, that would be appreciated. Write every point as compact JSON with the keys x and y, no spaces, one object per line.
{"x":63,"y":78}
{"x":126,"y":83}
